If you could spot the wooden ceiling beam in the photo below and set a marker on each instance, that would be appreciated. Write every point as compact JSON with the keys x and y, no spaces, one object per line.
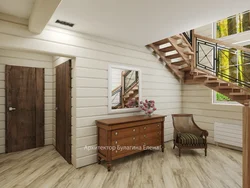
{"x":41,"y":14}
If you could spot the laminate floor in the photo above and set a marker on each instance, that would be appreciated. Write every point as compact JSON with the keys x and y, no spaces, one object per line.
{"x":45,"y":168}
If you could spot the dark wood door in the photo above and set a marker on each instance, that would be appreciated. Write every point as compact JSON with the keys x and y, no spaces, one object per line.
{"x":63,"y":110}
{"x":24,"y":108}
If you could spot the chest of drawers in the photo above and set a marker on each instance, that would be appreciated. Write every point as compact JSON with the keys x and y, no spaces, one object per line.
{"x":120,"y":137}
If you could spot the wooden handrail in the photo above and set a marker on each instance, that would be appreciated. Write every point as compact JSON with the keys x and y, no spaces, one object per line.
{"x":116,"y":89}
{"x":222,"y":43}
{"x":131,"y":87}
{"x":187,"y":42}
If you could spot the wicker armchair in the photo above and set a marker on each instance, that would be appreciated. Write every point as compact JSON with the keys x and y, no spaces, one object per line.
{"x":187,"y":135}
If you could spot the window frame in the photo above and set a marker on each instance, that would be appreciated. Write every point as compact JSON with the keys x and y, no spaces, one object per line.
{"x":229,"y":36}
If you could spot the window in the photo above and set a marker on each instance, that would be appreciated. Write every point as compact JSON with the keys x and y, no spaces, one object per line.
{"x":233,"y":25}
{"x":219,"y":98}
{"x":237,"y":66}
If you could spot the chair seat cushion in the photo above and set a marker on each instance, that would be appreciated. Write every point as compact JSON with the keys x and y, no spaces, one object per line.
{"x":191,"y":139}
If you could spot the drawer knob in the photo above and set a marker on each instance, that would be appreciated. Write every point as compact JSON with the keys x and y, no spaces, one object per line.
{"x":116,"y":151}
{"x":134,"y":138}
{"x":144,"y":136}
{"x":116,"y":133}
{"x":134,"y":130}
{"x":158,"y":125}
{"x":116,"y":142}
{"x":145,"y":127}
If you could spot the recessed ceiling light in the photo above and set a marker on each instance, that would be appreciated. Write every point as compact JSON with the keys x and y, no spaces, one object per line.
{"x":65,"y":23}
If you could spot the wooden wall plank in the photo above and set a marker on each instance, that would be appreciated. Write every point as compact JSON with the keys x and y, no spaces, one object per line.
{"x":246,"y":146}
{"x":39,"y":107}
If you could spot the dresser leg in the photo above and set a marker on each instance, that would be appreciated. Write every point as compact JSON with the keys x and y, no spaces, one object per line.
{"x":109,"y":165}
{"x":162,"y":148}
{"x":99,"y":159}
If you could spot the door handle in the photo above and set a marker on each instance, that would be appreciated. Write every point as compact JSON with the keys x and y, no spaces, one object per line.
{"x":12,"y":109}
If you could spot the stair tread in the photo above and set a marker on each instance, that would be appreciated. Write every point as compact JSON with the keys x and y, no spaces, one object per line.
{"x":203,"y":76}
{"x":212,"y":81}
{"x":160,"y":42}
{"x":239,"y":94}
{"x":227,"y":87}
{"x":179,"y":63}
{"x":177,"y":37}
{"x":167,"y":49}
{"x":189,"y":53}
{"x":173,"y":56}
{"x":187,"y":68}
{"x":181,"y":43}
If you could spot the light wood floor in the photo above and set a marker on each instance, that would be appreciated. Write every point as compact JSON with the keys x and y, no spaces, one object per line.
{"x":44,"y":167}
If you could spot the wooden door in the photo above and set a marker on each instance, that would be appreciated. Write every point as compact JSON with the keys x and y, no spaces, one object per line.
{"x":24,"y":108}
{"x":63,"y":110}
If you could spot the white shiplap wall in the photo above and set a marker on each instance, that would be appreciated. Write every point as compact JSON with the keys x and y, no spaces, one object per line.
{"x":197,"y":100}
{"x":89,"y":97}
{"x":92,"y":96}
{"x":206,"y":30}
{"x":17,"y":58}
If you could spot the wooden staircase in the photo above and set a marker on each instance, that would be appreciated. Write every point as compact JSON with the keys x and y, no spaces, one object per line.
{"x":132,"y":93}
{"x":177,"y":54}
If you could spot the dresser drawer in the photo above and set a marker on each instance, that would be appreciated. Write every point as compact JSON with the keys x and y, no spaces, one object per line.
{"x":126,"y":141}
{"x":122,"y":151}
{"x":150,"y":128}
{"x":125,"y":133}
{"x":150,"y":135}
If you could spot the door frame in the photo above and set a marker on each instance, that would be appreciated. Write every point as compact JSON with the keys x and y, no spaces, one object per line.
{"x":68,"y":106}
{"x":40,"y":106}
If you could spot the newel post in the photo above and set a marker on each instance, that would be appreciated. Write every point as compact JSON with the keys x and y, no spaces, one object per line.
{"x":193,"y":63}
{"x":246,"y":146}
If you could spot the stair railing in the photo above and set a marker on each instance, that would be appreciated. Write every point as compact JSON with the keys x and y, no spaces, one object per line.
{"x":228,"y":62}
{"x":130,"y":79}
{"x":117,"y":97}
{"x":189,"y":36}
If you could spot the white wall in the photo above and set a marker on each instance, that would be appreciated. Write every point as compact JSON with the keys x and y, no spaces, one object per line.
{"x":89,"y":81}
{"x":89,"y":94}
{"x":92,"y":98}
{"x":197,"y":100}
{"x":10,"y":57}
{"x":206,"y":30}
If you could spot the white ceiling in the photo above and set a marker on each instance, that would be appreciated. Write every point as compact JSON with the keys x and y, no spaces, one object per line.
{"x":18,"y":8}
{"x":143,"y":21}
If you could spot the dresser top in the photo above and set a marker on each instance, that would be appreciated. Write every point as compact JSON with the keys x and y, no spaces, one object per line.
{"x":128,"y":119}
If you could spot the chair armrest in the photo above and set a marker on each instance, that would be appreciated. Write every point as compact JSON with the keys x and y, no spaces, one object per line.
{"x":178,"y":134}
{"x":204,"y":133}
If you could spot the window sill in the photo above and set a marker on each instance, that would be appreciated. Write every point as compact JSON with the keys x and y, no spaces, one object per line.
{"x":227,"y":103}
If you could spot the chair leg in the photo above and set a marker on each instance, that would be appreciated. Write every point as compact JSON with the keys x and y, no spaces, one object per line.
{"x":205,"y":151}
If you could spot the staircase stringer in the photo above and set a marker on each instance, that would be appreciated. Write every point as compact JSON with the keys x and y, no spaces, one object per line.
{"x":230,"y":89}
{"x":193,"y":75}
{"x":179,"y":75}
{"x":180,"y":50}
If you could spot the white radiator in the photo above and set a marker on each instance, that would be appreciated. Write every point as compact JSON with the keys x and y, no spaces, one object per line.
{"x":228,"y":134}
